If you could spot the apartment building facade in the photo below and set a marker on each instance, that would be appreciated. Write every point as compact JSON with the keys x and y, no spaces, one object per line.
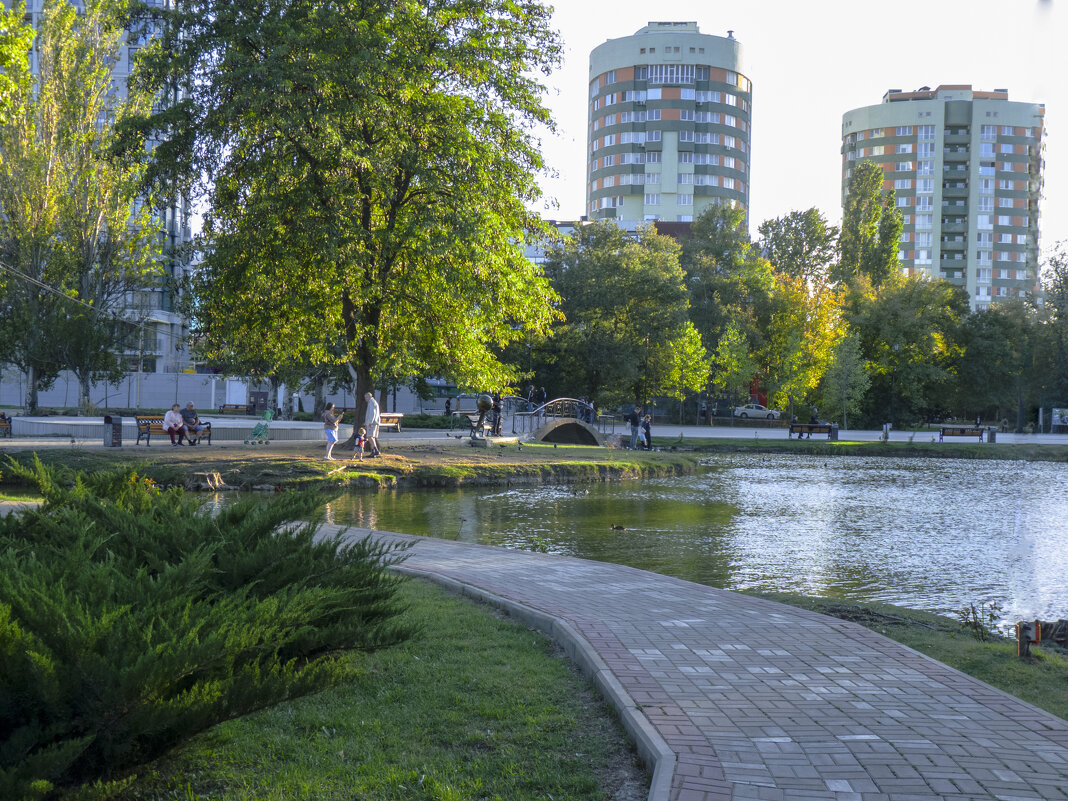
{"x":966,"y":169}
{"x":669,"y":125}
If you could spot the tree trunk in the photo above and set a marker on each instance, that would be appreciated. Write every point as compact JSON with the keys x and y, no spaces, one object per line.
{"x":1019,"y":408}
{"x":320,"y":398}
{"x":30,"y":407}
{"x":287,"y":403}
{"x":845,"y":426}
{"x":85,"y":405}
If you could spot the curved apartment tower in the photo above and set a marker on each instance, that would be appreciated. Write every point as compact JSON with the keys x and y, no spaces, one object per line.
{"x":669,"y":131}
{"x":966,"y":168}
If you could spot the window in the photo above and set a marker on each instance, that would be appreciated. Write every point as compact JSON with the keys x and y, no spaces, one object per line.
{"x":923,"y":256}
{"x":984,"y":240}
{"x":728,"y":141}
{"x":1005,"y":148}
{"x":653,"y":135}
{"x":608,"y":181}
{"x":986,"y":149}
{"x":728,"y":183}
{"x":924,"y":203}
{"x":684,"y":200}
{"x":924,"y":222}
{"x":876,"y":132}
{"x":632,"y":138}
{"x":988,"y":132}
{"x":1004,"y":239}
{"x":608,"y":140}
{"x":634,"y":96}
{"x":1004,"y":219}
{"x":1021,"y":257}
{"x":1004,"y":185}
{"x":903,"y":203}
{"x":707,"y":97}
{"x":652,"y":178}
{"x":685,"y":177}
{"x":983,"y":275}
{"x":1021,"y":239}
{"x":924,"y":240}
{"x":610,"y":77}
{"x":877,"y":150}
{"x":686,"y":115}
{"x":1005,"y":202}
{"x":652,"y":199}
{"x":1002,"y":273}
{"x":686,"y":136}
{"x":729,"y":99}
{"x":654,"y":115}
{"x":984,"y":222}
{"x":925,"y":150}
{"x":1008,"y":166}
{"x":730,"y":120}
{"x":1003,"y":255}
{"x":904,"y":148}
{"x":924,"y":167}
{"x":610,"y":99}
{"x":652,"y":158}
{"x":610,"y":119}
{"x":986,"y":203}
{"x":1008,"y":130}
{"x":683,"y":218}
{"x":986,"y":186}
{"x":671,"y":73}
{"x":728,"y":162}
{"x":1021,"y":275}
{"x":702,"y":72}
{"x":904,"y":130}
{"x":687,"y":94}
{"x":986,"y":168}
{"x":685,"y":157}
{"x":903,"y":166}
{"x":925,"y":185}
{"x":653,"y":94}
{"x":903,"y":183}
{"x":925,"y":132}
{"x":608,"y":161}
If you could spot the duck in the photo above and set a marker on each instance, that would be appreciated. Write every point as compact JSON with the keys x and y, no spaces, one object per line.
{"x":614,"y":527}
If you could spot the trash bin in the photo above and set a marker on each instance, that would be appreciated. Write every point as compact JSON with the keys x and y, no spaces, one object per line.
{"x":112,"y":432}
{"x":992,"y":434}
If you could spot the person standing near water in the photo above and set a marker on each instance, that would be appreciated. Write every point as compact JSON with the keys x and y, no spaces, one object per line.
{"x":371,"y":421}
{"x":330,"y":424}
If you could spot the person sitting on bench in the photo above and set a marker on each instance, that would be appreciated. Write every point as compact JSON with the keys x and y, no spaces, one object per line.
{"x":174,"y":425}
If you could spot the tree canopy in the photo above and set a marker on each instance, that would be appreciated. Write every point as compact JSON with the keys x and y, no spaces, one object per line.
{"x":871,"y":228}
{"x":370,"y":166}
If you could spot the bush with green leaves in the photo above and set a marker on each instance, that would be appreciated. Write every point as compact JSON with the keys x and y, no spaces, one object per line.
{"x":132,"y":618}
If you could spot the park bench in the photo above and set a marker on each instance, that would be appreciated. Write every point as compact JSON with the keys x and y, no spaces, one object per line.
{"x":961,"y":431}
{"x":153,"y":424}
{"x":808,"y":429}
{"x":234,"y":408}
{"x":472,"y":421}
{"x":392,"y":420}
{"x":5,"y":425}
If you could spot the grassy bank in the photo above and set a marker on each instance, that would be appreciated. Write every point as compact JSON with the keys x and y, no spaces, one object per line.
{"x":296,"y":465}
{"x":921,"y":446}
{"x":475,"y":707}
{"x":1041,"y":680}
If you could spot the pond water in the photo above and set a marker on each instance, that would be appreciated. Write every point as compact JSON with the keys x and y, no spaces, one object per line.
{"x":928,"y":534}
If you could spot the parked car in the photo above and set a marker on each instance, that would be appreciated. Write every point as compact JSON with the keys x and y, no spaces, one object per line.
{"x":755,"y":410}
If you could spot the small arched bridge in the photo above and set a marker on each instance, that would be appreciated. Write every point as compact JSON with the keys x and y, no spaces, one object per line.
{"x":566,"y":421}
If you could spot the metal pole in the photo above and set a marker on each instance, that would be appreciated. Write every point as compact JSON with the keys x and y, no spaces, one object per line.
{"x":140,"y":357}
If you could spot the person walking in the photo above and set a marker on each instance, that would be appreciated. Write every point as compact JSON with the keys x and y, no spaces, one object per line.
{"x":372,"y":419}
{"x":635,"y":421}
{"x":174,"y":425}
{"x":647,"y":431}
{"x":330,"y":424}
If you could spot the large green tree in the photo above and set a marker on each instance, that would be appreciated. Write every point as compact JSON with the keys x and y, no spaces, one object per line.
{"x":73,"y":223}
{"x":370,"y":168}
{"x":626,"y":334}
{"x":801,"y":244}
{"x":871,"y":228}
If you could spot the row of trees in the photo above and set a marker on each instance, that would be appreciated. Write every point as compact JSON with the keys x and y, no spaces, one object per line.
{"x":816,"y":315}
{"x":76,"y":233}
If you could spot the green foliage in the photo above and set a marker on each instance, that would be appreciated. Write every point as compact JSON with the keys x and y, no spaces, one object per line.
{"x":981,"y":621}
{"x":626,"y":335}
{"x":70,"y":217}
{"x":15,"y":40}
{"x":845,"y":382}
{"x":130,"y":620}
{"x":371,"y":168}
{"x":801,"y":244}
{"x":871,"y":227}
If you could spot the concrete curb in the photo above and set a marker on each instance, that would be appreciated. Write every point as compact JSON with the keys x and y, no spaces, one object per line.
{"x":652,"y":748}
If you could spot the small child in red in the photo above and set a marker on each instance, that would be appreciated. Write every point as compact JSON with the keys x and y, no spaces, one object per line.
{"x":361,"y":440}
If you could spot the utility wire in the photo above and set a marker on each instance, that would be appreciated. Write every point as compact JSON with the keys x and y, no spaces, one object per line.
{"x":60,"y":293}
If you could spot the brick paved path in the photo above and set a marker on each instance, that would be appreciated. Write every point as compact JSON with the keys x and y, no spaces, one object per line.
{"x":763,"y":701}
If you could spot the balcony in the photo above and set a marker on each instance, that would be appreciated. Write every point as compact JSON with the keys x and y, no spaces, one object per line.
{"x":955,"y":226}
{"x":955,"y":191}
{"x":957,"y":139}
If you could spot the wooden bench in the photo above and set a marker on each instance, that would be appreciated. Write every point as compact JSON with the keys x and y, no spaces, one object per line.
{"x":472,"y":421}
{"x":5,"y":425}
{"x":808,"y":429}
{"x":149,"y":425}
{"x":235,"y":408}
{"x":391,"y":420}
{"x":961,"y":431}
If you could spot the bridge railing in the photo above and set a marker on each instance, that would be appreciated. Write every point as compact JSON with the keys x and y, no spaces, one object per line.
{"x":526,"y":422}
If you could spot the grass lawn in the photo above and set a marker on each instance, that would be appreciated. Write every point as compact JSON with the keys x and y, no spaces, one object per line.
{"x":476,"y":707}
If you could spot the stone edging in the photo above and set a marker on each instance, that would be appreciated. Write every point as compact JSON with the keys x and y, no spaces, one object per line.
{"x":652,"y":748}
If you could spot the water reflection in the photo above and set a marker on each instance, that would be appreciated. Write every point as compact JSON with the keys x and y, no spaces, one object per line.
{"x":929,"y":534}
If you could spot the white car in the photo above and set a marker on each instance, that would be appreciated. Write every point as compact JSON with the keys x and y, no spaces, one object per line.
{"x":755,"y":410}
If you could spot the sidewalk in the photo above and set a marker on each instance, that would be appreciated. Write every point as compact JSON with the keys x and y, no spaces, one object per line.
{"x":733,"y":697}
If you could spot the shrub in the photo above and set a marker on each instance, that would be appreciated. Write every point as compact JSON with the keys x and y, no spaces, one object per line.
{"x":130,"y":620}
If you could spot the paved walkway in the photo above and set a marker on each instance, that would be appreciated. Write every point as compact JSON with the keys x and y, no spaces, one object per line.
{"x":747,"y":699}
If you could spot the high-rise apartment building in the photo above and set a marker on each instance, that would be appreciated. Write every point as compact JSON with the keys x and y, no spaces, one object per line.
{"x":966,"y":169}
{"x":669,"y":125}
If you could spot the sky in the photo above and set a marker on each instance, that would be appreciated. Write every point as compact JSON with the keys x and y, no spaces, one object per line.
{"x":810,"y":61}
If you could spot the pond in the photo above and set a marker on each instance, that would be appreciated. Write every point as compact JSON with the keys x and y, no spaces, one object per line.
{"x":928,"y":534}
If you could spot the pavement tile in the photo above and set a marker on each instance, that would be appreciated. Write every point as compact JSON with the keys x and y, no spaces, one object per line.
{"x":763,"y":702}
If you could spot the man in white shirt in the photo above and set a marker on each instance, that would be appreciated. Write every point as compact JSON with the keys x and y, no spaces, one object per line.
{"x":371,"y":421}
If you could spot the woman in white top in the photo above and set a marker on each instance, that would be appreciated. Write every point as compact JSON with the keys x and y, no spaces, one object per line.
{"x":173,"y":424}
{"x":330,"y":424}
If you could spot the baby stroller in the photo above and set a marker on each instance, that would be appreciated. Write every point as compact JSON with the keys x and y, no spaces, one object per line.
{"x":260,"y":435}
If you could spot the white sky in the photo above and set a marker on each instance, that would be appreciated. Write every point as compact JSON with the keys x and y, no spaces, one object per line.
{"x":810,"y":61}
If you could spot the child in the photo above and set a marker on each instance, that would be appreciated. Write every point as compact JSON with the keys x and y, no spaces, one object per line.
{"x":361,"y":441}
